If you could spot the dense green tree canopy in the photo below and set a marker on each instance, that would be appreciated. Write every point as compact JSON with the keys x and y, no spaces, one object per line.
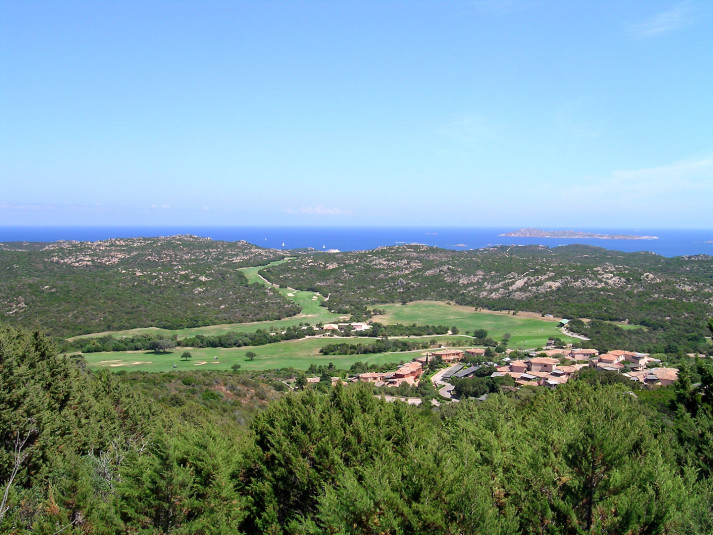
{"x":175,"y":453}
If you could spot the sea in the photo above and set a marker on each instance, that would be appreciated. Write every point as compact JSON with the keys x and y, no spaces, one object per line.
{"x":670,"y":242}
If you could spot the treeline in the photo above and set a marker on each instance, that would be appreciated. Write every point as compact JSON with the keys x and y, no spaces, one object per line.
{"x":158,"y":342}
{"x":356,"y":368}
{"x":675,"y":338}
{"x":149,"y":342}
{"x":399,"y":329}
{"x":478,"y":386}
{"x":84,"y":452}
{"x":258,"y":338}
{"x":380,"y":346}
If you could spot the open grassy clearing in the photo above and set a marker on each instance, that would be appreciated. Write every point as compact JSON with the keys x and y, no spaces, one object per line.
{"x":526,"y":332}
{"x":310,"y":302}
{"x":297,"y":354}
{"x":628,"y":326}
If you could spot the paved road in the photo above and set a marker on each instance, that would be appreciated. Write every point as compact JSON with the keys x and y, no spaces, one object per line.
{"x":447,"y":391}
{"x":436,"y":377}
{"x":444,"y":389}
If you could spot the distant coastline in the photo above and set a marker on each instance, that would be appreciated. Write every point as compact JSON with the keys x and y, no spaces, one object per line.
{"x":670,"y":242}
{"x":572,"y":234}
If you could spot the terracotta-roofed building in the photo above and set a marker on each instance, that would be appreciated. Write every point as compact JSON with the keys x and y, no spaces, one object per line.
{"x":621,"y":352}
{"x":664,"y":376}
{"x":540,"y":375}
{"x":639,"y":360}
{"x":655,"y":376}
{"x":514,"y":375}
{"x":518,"y":366}
{"x":610,"y":358}
{"x":609,"y":367}
{"x":543,"y":364}
{"x":583,"y":354}
{"x":449,"y":355}
{"x":555,"y":352}
{"x":407,"y":373}
{"x":569,"y":370}
{"x":372,"y":377}
{"x":527,"y":379}
{"x":561,"y":374}
{"x":475,"y":352}
{"x":412,"y":368}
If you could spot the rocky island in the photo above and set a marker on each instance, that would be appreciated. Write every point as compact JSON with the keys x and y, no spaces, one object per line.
{"x":572,"y":234}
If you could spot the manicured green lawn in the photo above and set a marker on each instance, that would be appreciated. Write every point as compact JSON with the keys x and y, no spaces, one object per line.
{"x":309,"y":301}
{"x":525,"y":332}
{"x":297,"y":354}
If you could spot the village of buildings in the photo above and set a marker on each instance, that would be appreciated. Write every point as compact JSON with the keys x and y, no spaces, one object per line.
{"x":544,"y":369}
{"x":549,"y":367}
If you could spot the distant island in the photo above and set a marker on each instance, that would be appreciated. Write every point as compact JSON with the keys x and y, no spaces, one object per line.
{"x":574,"y":234}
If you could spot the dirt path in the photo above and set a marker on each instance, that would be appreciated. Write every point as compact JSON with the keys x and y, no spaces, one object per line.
{"x":573,"y":335}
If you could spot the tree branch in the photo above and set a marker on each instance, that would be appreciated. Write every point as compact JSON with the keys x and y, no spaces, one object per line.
{"x":20,"y":457}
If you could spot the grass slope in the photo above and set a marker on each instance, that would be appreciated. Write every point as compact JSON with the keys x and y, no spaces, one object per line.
{"x":525,"y":332}
{"x":297,"y":354}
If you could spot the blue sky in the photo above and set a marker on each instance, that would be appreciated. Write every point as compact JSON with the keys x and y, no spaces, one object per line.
{"x":555,"y":114}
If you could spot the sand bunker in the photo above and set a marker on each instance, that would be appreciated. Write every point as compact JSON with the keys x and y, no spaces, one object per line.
{"x":140,"y":362}
{"x":116,"y":365}
{"x":108,"y":361}
{"x":215,"y":362}
{"x":200,"y":363}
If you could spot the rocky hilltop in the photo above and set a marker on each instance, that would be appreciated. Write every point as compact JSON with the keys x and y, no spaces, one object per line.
{"x":71,"y":288}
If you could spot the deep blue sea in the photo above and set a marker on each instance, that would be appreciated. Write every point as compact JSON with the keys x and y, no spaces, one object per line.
{"x":670,"y":243}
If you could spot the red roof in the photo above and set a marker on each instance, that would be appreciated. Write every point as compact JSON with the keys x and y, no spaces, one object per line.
{"x":544,"y":360}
